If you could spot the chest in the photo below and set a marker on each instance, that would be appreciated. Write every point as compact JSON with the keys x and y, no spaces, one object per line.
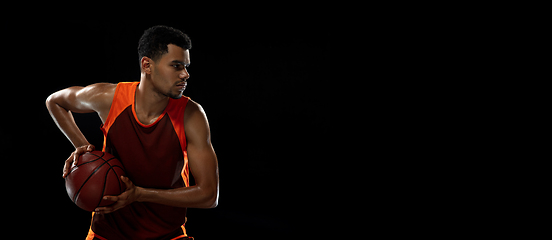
{"x":152,"y":155}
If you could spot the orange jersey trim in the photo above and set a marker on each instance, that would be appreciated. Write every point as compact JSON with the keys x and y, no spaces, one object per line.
{"x":124,"y":96}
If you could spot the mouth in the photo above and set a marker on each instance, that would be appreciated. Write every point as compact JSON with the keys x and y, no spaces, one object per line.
{"x":182,"y":85}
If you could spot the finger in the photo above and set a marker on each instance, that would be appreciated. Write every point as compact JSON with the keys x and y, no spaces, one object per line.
{"x":111,"y":208}
{"x":90,"y":148}
{"x":75,"y":161}
{"x":67,"y":166}
{"x":78,"y":152}
{"x":65,"y":170}
{"x":76,"y":155}
{"x":111,"y":198}
{"x":102,"y":210}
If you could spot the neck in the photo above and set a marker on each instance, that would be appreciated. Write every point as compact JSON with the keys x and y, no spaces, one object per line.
{"x":149,"y":103}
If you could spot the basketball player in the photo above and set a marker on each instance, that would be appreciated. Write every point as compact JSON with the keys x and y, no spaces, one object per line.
{"x":159,"y":136}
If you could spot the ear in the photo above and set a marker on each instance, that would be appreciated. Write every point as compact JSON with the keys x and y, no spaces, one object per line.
{"x":145,"y":64}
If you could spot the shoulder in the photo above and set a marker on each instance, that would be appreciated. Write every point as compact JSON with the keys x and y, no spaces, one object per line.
{"x":192,"y":107}
{"x":194,"y":112}
{"x":98,"y":96}
{"x":195,"y":119}
{"x":98,"y":90}
{"x":104,"y":88}
{"x":95,"y":97}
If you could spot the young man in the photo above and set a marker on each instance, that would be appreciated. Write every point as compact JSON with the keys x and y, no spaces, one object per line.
{"x":156,"y":133}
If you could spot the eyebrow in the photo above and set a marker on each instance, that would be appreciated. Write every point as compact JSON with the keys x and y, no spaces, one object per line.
{"x":181,"y":63}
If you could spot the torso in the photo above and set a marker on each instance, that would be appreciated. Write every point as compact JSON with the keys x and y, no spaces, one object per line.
{"x":154,"y":156}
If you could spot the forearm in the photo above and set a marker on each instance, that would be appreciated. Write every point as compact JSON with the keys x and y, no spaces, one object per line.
{"x":194,"y":197}
{"x":66,"y":123}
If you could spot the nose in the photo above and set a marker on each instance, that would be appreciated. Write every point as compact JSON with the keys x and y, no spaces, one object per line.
{"x":184,"y":74}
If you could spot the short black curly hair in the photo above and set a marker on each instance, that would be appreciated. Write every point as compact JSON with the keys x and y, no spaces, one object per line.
{"x":155,"y":40}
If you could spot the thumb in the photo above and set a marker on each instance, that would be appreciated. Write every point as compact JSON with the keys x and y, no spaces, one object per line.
{"x":127,"y":182}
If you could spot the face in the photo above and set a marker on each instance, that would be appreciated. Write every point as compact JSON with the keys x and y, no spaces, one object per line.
{"x":169,"y":72}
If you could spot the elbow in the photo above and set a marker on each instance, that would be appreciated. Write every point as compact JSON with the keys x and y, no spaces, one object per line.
{"x":211,"y":199}
{"x":212,"y":204}
{"x":49,"y":101}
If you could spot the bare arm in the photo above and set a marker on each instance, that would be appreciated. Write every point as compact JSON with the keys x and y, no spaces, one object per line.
{"x":203,"y":165}
{"x":96,"y":97}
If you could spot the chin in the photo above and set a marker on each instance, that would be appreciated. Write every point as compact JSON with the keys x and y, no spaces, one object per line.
{"x":175,"y":96}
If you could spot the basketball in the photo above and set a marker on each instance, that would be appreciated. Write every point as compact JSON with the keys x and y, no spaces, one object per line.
{"x":96,"y":174}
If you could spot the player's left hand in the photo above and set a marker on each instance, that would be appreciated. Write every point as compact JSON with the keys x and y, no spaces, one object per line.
{"x":129,"y":196}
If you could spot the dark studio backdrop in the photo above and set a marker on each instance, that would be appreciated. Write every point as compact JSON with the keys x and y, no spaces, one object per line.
{"x":264,"y":86}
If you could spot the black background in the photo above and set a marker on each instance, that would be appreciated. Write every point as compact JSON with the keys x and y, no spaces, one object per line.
{"x":262,"y":80}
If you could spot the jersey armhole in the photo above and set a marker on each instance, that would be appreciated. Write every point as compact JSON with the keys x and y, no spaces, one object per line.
{"x":110,"y":118}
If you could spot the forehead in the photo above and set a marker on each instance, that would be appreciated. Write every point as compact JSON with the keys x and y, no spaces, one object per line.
{"x":176,"y":53}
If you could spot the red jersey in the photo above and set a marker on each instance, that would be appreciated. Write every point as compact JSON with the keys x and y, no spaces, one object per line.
{"x":154,"y":156}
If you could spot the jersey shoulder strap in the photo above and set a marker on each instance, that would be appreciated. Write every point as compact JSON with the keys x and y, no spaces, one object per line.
{"x":123,"y":97}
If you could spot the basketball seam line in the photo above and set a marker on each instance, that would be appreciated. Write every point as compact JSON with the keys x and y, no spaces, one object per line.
{"x":105,"y":179}
{"x":75,"y":168}
{"x":85,"y":181}
{"x":98,"y":157}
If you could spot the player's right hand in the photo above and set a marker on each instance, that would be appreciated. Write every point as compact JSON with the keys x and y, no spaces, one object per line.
{"x":74,"y":158}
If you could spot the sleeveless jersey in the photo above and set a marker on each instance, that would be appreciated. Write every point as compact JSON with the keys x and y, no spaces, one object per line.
{"x":154,"y":156}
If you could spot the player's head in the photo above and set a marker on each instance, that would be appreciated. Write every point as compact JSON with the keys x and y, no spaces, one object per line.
{"x":164,"y":54}
{"x":155,"y":40}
